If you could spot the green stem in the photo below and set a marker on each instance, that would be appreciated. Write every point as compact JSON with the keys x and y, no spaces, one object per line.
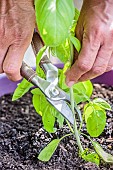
{"x":81,"y":123}
{"x":86,"y":136}
{"x":49,"y":52}
{"x":76,"y":133}
{"x":65,"y":136}
{"x":71,"y":129}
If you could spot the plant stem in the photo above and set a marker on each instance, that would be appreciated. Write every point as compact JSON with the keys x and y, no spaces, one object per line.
{"x":76,"y":134}
{"x":65,"y":136}
{"x":71,"y":129}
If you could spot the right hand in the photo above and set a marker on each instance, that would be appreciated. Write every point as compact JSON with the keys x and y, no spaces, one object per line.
{"x":95,"y":31}
{"x":17,"y":23}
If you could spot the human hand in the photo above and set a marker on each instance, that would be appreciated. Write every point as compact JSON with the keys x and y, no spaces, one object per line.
{"x":17,"y":22}
{"x":95,"y":31}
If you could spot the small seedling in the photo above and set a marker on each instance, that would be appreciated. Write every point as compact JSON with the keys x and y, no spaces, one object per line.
{"x":56,"y":20}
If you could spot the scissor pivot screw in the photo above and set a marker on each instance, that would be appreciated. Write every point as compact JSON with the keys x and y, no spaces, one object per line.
{"x":54,"y":92}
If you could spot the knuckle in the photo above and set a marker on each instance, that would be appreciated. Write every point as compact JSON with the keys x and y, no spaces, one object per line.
{"x":84,"y":66}
{"x":96,"y":34}
{"x":18,"y":33}
{"x":109,"y":68}
{"x":10,"y":69}
{"x":21,"y":36}
{"x":98,"y":70}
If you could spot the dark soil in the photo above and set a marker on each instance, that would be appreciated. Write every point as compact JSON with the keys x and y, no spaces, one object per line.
{"x":22,"y":137}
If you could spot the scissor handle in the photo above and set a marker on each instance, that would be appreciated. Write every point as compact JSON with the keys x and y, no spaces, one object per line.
{"x":36,"y":43}
{"x":27,"y":72}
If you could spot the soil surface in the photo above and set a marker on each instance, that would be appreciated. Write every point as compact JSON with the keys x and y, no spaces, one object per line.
{"x":22,"y":137}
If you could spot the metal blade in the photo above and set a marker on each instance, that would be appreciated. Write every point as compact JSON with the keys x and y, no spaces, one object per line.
{"x":64,"y":109}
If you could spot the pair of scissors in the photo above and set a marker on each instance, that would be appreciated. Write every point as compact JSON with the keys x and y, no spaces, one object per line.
{"x":49,"y":86}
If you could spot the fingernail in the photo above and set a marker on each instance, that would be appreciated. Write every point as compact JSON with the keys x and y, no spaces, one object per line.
{"x":70,"y":83}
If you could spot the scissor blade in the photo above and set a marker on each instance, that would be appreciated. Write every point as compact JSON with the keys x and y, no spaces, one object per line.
{"x":64,"y":109}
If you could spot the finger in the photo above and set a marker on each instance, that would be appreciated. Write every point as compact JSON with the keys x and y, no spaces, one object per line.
{"x":15,"y":54}
{"x":85,"y":61}
{"x":100,"y":64}
{"x":13,"y":61}
{"x":2,"y":56}
{"x":110,"y":64}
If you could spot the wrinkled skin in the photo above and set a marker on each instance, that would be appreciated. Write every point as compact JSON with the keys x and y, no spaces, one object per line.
{"x":95,"y":31}
{"x":17,"y":22}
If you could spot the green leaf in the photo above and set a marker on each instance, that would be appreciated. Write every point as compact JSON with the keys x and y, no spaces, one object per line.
{"x":62,"y":77}
{"x":37,"y":91}
{"x":77,"y":14}
{"x":38,"y":57}
{"x":54,"y":19}
{"x":72,"y":29}
{"x":43,"y":108}
{"x":48,"y":151}
{"x":60,"y":119}
{"x":102,"y":103}
{"x":38,"y":100}
{"x":48,"y":119}
{"x":22,"y":88}
{"x":108,"y":158}
{"x":76,"y":43}
{"x":91,"y":157}
{"x":62,"y":83}
{"x":46,"y":110}
{"x":88,"y":110}
{"x":82,"y":91}
{"x":62,"y":51}
{"x":95,"y":119}
{"x":57,"y":115}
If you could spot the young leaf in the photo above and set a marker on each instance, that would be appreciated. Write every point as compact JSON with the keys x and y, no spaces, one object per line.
{"x":91,"y":157}
{"x":38,"y":57}
{"x":54,"y":19}
{"x":43,"y":108}
{"x":37,"y":99}
{"x":82,"y":91}
{"x":108,"y":158}
{"x":62,"y":83}
{"x":48,"y":151}
{"x":88,"y":110}
{"x":62,"y":77}
{"x":62,"y":51}
{"x":48,"y":120}
{"x":95,"y":119}
{"x":102,"y":103}
{"x":72,"y":29}
{"x":76,"y":43}
{"x":22,"y":88}
{"x":46,"y":110}
{"x":60,"y":118}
